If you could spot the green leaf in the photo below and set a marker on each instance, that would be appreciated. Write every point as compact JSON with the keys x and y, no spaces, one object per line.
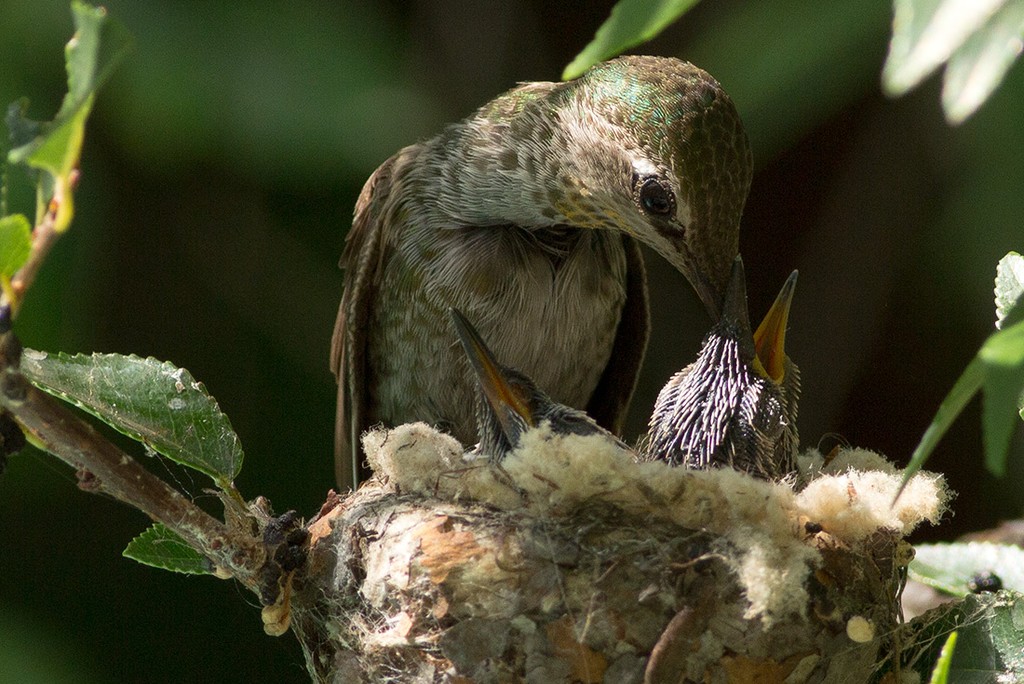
{"x":990,"y":630}
{"x":979,"y":38}
{"x":950,"y":567}
{"x":631,"y":22}
{"x":940,"y":675}
{"x":978,"y":67}
{"x":58,"y":148}
{"x":92,"y":54}
{"x":1009,"y":289}
{"x":963,"y":391}
{"x":1003,"y":357}
{"x":15,"y":243}
{"x":151,"y":401}
{"x":1007,"y":633}
{"x":98,"y":44}
{"x":160,"y":547}
{"x":997,"y":368}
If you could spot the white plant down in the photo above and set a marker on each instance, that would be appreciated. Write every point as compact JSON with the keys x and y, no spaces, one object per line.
{"x":761,"y":523}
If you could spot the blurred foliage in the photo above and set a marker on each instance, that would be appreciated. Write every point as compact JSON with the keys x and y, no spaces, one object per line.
{"x":33,"y":654}
{"x":219,"y":172}
{"x":951,"y":568}
{"x":631,"y":23}
{"x":54,"y":147}
{"x":980,"y":41}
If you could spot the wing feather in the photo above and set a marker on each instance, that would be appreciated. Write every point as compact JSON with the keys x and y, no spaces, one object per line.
{"x":362,"y":259}
{"x":610,"y":401}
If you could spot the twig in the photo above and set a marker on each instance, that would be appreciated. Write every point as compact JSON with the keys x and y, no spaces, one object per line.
{"x":44,"y":236}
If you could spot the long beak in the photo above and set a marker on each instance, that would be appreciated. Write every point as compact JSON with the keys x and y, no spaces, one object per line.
{"x":770,"y":336}
{"x":710,"y":295}
{"x":499,"y":393}
{"x":734,"y":306}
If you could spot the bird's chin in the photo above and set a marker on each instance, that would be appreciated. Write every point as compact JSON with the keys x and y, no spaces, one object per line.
{"x":709,"y":294}
{"x":672,"y":246}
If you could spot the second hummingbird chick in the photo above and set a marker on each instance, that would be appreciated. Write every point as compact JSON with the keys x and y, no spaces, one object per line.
{"x":509,"y":403}
{"x":736,"y":405}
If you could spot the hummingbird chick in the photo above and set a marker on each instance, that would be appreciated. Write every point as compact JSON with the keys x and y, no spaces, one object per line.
{"x":528,"y":216}
{"x":509,"y":403}
{"x":736,"y":405}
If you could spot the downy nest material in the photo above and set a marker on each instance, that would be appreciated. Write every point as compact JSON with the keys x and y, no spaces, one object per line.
{"x":569,"y":562}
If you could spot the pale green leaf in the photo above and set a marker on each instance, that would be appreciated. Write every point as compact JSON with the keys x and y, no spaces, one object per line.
{"x":161,"y":547}
{"x":98,"y":45}
{"x":92,"y":54}
{"x":1003,"y":357}
{"x":631,"y":22}
{"x":998,"y":369}
{"x":151,"y":401}
{"x":1007,"y":634}
{"x":977,"y":68}
{"x":1009,"y":289}
{"x":57,"y":149}
{"x":15,"y":243}
{"x":925,"y":33}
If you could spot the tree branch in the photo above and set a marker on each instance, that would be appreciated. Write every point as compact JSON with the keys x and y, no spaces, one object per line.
{"x":103,"y":467}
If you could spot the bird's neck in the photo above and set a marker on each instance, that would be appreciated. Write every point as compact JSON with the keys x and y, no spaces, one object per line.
{"x":483,"y":172}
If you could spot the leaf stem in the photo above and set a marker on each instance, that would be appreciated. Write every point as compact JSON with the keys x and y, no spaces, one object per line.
{"x":44,"y":236}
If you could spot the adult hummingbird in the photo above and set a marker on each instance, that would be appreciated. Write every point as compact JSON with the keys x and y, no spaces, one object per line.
{"x":527,"y":216}
{"x":736,"y":405}
{"x":509,"y":403}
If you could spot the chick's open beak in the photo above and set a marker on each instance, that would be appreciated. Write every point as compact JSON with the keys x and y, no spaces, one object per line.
{"x":770,"y":336}
{"x":502,"y":396}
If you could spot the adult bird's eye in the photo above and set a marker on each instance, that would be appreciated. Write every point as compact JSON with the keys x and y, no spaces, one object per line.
{"x":656,"y":198}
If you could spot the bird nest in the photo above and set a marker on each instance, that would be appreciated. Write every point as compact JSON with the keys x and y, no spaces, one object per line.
{"x":569,"y":562}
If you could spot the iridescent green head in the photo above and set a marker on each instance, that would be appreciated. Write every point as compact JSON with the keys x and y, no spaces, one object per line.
{"x":650,"y":146}
{"x":664,"y":157}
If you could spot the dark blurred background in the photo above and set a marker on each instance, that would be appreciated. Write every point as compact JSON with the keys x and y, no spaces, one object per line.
{"x":220,"y":169}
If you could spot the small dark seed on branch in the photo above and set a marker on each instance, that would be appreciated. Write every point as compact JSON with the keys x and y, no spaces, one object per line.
{"x":87,"y":480}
